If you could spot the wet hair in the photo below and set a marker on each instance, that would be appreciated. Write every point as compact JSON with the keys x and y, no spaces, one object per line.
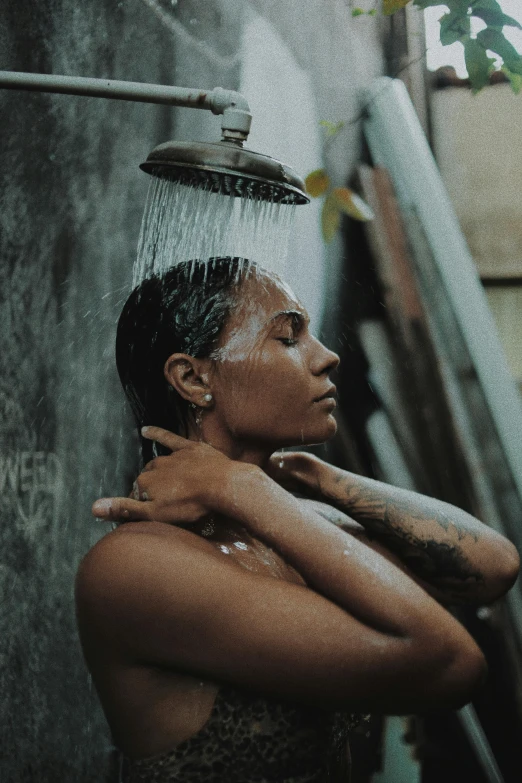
{"x":181,"y":311}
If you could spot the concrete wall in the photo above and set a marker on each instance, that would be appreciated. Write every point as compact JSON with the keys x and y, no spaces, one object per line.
{"x":71,"y":204}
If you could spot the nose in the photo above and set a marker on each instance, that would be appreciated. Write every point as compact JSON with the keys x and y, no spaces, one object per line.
{"x":324,"y":361}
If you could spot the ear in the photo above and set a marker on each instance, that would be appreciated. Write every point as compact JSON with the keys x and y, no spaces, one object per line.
{"x":188,"y":376}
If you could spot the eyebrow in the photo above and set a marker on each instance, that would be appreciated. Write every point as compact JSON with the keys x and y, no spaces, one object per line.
{"x":297,"y":317}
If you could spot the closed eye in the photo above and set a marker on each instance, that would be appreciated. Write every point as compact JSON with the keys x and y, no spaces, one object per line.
{"x":287,"y":340}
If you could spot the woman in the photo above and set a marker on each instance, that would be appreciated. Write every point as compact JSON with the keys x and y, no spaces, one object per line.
{"x":233,"y":630}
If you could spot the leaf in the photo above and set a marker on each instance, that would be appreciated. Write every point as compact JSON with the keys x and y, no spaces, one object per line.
{"x":317,"y":183}
{"x":330,"y":218}
{"x":492,"y":5}
{"x":478,"y":64}
{"x":514,"y":78}
{"x":391,"y":6}
{"x":492,"y":14}
{"x":423,"y":4}
{"x":453,"y":27}
{"x":494,"y":20}
{"x":358,"y":11}
{"x":495,"y":41}
{"x":352,"y":204}
{"x":332,"y":128}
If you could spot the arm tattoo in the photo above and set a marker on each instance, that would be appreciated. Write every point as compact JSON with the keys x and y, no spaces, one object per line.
{"x":397,"y":524}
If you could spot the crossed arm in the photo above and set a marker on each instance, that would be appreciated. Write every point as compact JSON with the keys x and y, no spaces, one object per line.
{"x":359,"y":633}
{"x":453,"y":555}
{"x":456,"y":558}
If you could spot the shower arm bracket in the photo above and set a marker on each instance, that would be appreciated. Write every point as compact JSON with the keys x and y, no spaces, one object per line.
{"x":234,"y":108}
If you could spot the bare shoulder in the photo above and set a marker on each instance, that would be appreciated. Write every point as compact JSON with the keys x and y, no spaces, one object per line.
{"x":139,"y":536}
{"x":135,"y":553}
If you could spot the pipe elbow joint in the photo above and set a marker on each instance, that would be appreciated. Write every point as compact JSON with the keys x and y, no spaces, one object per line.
{"x":237,"y":117}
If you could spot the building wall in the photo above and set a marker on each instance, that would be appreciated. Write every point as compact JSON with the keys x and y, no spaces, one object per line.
{"x":477,"y":143}
{"x":71,"y":204}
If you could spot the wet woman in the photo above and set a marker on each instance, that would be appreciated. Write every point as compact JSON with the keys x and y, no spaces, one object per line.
{"x":257,"y":604}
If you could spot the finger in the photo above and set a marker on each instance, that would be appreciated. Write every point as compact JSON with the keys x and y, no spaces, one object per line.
{"x":289,"y":456}
{"x":116,"y":509}
{"x":153,"y":465}
{"x":277,"y":462}
{"x":138,"y":490}
{"x":169,"y":439}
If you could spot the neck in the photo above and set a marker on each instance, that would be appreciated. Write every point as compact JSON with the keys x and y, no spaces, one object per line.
{"x":224,"y":529}
{"x":252,"y":453}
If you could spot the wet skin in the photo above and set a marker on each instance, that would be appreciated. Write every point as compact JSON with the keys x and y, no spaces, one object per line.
{"x":265,"y":380}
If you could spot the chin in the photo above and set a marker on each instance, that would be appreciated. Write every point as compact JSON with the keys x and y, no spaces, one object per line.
{"x":330,"y":429}
{"x":317,"y":435}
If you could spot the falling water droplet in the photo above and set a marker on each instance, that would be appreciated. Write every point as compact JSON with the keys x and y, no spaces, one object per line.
{"x":183,"y":222}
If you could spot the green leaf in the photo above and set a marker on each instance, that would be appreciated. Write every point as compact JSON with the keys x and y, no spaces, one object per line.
{"x":478,"y":64}
{"x":317,"y":183}
{"x":492,"y":5}
{"x":373,"y":12}
{"x":423,"y":4}
{"x":332,"y":128}
{"x":454,"y":27}
{"x":514,"y":79}
{"x":492,"y":14}
{"x":352,"y":204}
{"x":391,"y":6}
{"x":330,"y":218}
{"x":358,"y":11}
{"x":496,"y":42}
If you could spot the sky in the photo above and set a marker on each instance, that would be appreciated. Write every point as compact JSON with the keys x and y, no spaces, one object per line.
{"x":438,"y":55}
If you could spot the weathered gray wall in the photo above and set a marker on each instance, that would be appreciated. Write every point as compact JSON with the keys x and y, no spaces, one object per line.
{"x":71,"y":203}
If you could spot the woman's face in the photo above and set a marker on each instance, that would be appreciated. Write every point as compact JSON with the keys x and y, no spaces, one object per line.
{"x":269,"y":371}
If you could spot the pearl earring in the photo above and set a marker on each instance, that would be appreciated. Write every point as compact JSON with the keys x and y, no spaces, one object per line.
{"x":207,"y":397}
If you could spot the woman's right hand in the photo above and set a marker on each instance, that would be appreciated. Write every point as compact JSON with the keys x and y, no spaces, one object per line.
{"x":182,"y":487}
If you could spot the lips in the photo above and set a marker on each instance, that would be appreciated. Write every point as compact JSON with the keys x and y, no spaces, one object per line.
{"x":331,"y":393}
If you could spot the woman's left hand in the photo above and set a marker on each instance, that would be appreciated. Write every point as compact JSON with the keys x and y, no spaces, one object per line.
{"x":297,"y":471}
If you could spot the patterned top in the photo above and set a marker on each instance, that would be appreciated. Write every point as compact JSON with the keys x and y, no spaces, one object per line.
{"x":252,"y":739}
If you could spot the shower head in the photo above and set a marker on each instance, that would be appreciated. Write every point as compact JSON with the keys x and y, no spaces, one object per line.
{"x":226,"y":167}
{"x":220,"y":167}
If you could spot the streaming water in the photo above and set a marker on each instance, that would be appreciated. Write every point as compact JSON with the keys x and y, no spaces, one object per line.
{"x":183,"y":223}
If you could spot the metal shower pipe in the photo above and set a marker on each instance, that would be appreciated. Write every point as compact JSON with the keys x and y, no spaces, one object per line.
{"x":233,"y":106}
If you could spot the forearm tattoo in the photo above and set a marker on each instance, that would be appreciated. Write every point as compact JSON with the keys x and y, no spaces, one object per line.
{"x":412,"y":534}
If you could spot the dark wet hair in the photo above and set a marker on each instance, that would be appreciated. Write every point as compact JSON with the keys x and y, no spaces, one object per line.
{"x":182,"y":311}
